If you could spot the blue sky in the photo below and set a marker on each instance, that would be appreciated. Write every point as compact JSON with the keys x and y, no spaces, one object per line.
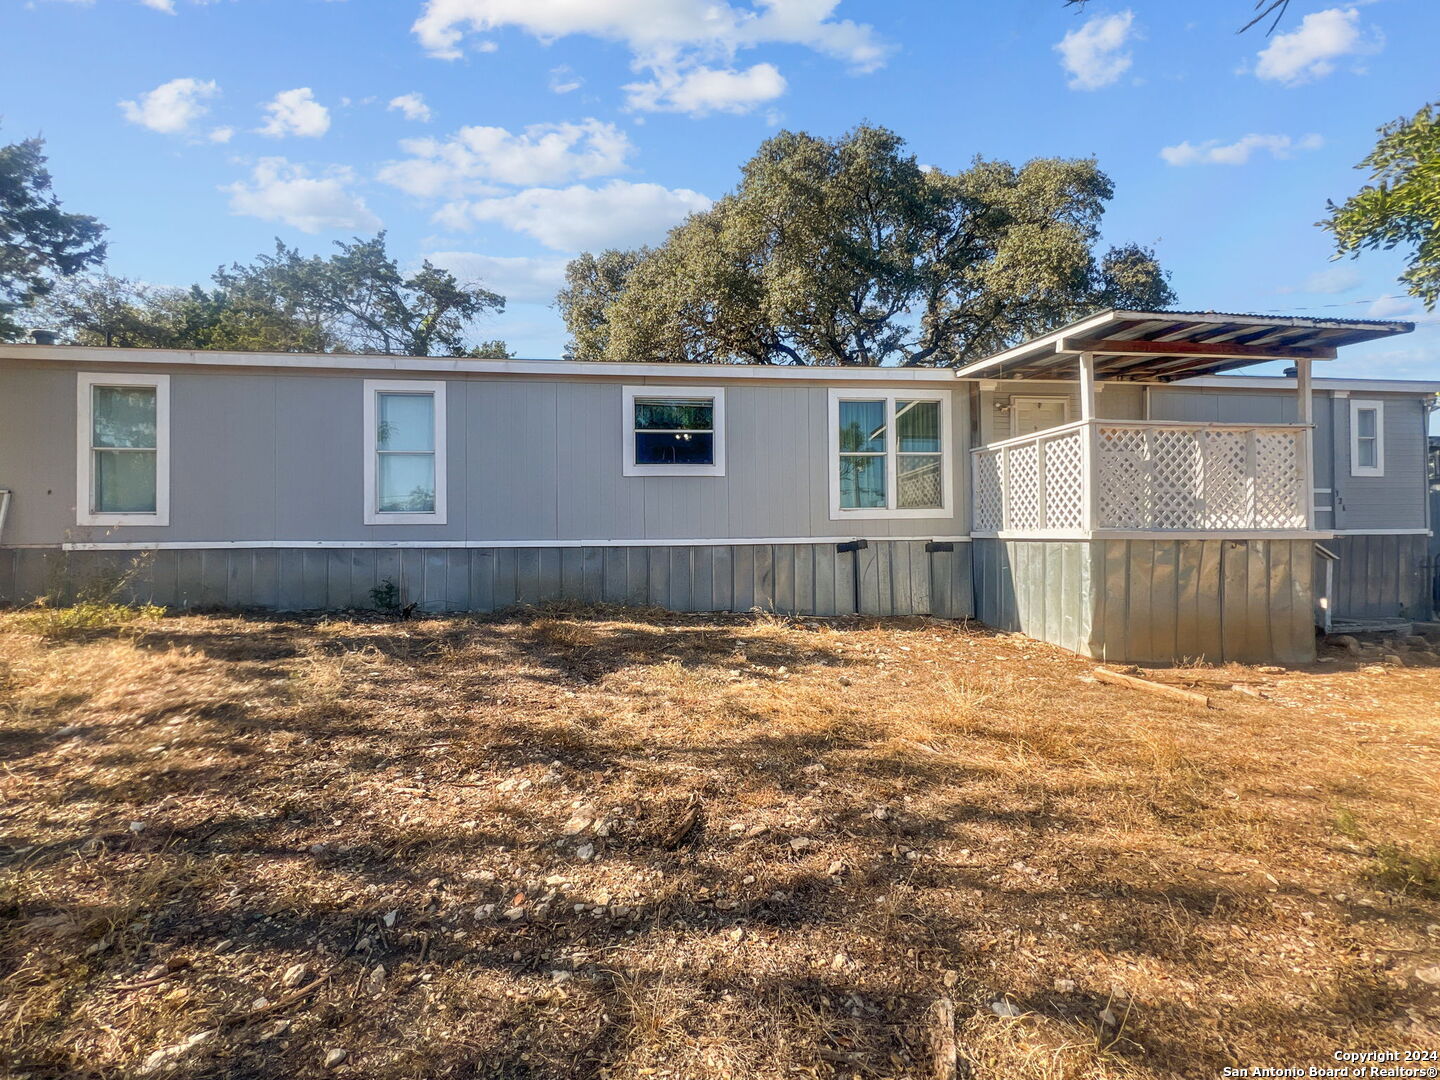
{"x":498,"y":137}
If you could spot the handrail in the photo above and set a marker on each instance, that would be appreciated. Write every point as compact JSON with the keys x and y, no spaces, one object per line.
{"x":1061,"y":429}
{"x":1075,"y":425}
{"x":1204,"y":424}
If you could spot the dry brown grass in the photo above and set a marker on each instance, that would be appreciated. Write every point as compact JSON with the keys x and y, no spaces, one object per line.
{"x":191,"y":806}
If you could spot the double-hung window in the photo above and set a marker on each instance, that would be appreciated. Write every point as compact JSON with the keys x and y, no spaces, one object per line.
{"x":123,"y":434}
{"x":404,"y":452}
{"x":889,"y":454}
{"x":1367,"y":438}
{"x":674,"y":431}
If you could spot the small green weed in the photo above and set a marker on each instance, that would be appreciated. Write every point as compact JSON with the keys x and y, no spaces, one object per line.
{"x":385,"y":596}
{"x":61,"y":622}
{"x":1346,"y":825}
{"x":1415,"y":873}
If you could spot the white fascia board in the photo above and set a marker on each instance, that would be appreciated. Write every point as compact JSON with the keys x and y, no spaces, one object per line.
{"x":367,"y":545}
{"x":466,"y":366}
{"x":1280,"y":382}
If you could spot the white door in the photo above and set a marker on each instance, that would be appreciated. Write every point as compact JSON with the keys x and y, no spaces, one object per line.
{"x":1031,"y":414}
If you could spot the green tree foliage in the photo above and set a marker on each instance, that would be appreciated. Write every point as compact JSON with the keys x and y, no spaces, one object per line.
{"x":367,"y":304}
{"x":592,"y":284}
{"x":39,"y":242}
{"x":847,"y":252}
{"x":1400,"y":207}
{"x":101,"y":309}
{"x":354,"y":301}
{"x":491,"y":350}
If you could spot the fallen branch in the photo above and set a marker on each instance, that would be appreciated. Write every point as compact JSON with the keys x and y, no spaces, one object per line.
{"x":144,"y":984}
{"x":944,"y":1053}
{"x":1116,"y":678}
{"x":275,"y":1006}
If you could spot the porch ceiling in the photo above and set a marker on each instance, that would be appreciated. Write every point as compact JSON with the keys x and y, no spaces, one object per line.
{"x":1165,"y":345}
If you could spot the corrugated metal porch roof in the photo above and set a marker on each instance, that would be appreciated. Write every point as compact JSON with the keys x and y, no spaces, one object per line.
{"x":1167,"y":345}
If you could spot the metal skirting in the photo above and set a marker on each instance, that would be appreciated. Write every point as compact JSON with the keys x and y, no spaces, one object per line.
{"x":1381,"y":576}
{"x":896,"y":577}
{"x":1154,"y":600}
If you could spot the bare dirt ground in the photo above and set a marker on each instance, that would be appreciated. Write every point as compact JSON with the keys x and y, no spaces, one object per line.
{"x":621,"y":844}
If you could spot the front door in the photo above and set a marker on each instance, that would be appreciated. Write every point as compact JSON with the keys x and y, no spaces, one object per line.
{"x":1031,"y":414}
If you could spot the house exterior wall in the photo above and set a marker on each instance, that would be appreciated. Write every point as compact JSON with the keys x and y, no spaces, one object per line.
{"x":1116,"y":401}
{"x":267,"y":460}
{"x":1395,"y":500}
{"x":278,"y":456}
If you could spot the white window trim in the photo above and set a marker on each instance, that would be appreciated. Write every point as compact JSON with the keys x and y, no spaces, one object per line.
{"x":85,"y":460}
{"x":1356,"y":469}
{"x":629,"y":467}
{"x":373,"y":389}
{"x":947,"y":454}
{"x":1039,"y":399}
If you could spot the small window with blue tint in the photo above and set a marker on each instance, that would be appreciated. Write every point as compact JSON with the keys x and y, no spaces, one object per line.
{"x":674,"y":431}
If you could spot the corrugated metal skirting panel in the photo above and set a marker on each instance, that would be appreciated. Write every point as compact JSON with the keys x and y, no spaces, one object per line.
{"x":1041,"y":588}
{"x":1154,"y":600}
{"x":896,"y":577}
{"x":1380,"y":577}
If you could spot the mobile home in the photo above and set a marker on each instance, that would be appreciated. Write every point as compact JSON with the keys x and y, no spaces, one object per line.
{"x":1111,"y":487}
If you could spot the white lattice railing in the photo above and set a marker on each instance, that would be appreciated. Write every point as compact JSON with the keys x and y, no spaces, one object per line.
{"x":1036,"y":482}
{"x":1151,"y":476}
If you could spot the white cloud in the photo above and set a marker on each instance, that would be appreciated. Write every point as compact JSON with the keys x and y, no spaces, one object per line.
{"x":1407,"y":308}
{"x":520,"y":279}
{"x":669,"y":40}
{"x":620,"y":214}
{"x":701,"y":90}
{"x":563,"y":79}
{"x":165,"y":6}
{"x":1092,"y":55}
{"x":1414,"y":358}
{"x":1332,"y":281}
{"x":473,"y":158}
{"x":296,"y":112}
{"x":1311,"y":49}
{"x":652,"y":27}
{"x":281,"y":191}
{"x":413,"y":106}
{"x":172,"y":107}
{"x":221,"y":134}
{"x":1215,"y":152}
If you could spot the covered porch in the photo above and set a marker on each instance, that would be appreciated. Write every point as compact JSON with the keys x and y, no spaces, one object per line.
{"x":1107,"y":478}
{"x":1136,"y":539}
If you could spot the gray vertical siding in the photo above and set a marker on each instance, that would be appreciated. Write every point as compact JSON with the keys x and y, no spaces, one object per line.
{"x":1154,"y":600}
{"x":278,"y":456}
{"x":1397,"y":499}
{"x":1380,"y":576}
{"x":1041,"y":588}
{"x":896,"y":577}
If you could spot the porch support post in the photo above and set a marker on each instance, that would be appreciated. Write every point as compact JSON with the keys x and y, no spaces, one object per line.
{"x":1305,"y":414}
{"x":1091,"y":432}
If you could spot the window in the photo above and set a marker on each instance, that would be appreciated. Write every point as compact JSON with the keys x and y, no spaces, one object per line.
{"x":888,"y":454}
{"x":404,"y":453}
{"x":674,"y":431}
{"x":1367,"y":438}
{"x":123,"y":436}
